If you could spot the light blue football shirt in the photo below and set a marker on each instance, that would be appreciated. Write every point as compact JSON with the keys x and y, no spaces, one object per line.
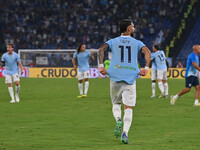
{"x":11,"y":63}
{"x":190,"y":69}
{"x":83,"y":60}
{"x":160,"y":60}
{"x":153,"y":65}
{"x":124,"y":62}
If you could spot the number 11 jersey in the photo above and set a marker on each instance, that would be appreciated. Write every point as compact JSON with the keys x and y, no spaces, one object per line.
{"x":124,"y":62}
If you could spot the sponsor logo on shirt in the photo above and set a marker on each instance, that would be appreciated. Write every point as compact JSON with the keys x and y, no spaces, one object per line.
{"x":124,"y":67}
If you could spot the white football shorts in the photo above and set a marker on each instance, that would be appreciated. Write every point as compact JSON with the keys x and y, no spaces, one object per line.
{"x":83,"y":75}
{"x":153,"y":74}
{"x":162,"y":74}
{"x":11,"y":78}
{"x":122,"y":92}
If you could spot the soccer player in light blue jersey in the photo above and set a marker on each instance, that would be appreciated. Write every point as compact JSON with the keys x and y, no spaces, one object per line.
{"x":12,"y":61}
{"x":161,"y":64}
{"x":123,"y":72}
{"x":153,"y":78}
{"x":82,"y":57}
{"x":191,"y":76}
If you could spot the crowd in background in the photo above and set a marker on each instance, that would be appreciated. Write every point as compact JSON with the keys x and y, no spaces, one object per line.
{"x":62,"y":24}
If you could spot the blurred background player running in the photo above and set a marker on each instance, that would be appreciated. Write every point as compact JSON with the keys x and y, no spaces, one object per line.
{"x":191,"y":76}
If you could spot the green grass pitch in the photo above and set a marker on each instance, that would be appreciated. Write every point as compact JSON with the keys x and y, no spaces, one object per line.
{"x":50,"y":117}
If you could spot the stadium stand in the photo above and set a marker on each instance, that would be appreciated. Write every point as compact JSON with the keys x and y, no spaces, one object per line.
{"x":180,"y":34}
{"x":62,"y":24}
{"x":191,"y":40}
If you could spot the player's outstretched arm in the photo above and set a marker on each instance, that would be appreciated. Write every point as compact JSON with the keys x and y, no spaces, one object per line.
{"x":196,"y":66}
{"x":74,"y":63}
{"x":20,"y":66}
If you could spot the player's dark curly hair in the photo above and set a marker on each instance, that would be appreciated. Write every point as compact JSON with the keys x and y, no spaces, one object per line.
{"x":10,"y":44}
{"x":156,"y":47}
{"x":124,"y":24}
{"x":79,"y":48}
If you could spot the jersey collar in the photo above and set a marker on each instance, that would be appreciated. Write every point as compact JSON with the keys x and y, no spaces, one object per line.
{"x":125,"y":35}
{"x":195,"y":53}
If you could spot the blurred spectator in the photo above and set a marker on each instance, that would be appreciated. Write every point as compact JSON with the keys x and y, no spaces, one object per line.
{"x":32,"y":64}
{"x":52,"y":24}
{"x":179,"y":65}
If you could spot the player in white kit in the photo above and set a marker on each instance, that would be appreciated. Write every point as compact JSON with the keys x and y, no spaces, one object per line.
{"x":12,"y":61}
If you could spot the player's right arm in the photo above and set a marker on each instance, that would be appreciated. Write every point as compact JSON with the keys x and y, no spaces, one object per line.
{"x":102,"y":49}
{"x":74,"y":60}
{"x":2,"y":61}
{"x":74,"y":63}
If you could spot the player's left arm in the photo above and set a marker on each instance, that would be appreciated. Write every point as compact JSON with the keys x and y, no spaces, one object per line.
{"x":92,"y":56}
{"x":193,"y":59}
{"x":20,"y":66}
{"x":195,"y":65}
{"x":2,"y":62}
{"x":102,"y":49}
{"x":74,"y":62}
